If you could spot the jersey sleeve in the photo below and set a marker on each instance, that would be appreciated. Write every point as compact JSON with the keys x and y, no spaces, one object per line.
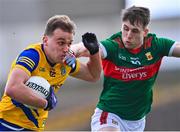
{"x":111,"y":45}
{"x":28,"y":60}
{"x":76,"y":70}
{"x":109,"y":48}
{"x":164,"y":45}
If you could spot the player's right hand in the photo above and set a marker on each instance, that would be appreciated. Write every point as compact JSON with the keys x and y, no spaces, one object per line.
{"x":51,"y":99}
{"x":90,"y":42}
{"x":70,"y":59}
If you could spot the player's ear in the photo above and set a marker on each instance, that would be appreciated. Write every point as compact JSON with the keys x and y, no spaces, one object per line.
{"x":45,"y":39}
{"x":146,"y":30}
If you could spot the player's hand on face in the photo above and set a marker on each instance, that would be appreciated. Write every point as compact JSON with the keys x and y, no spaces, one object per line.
{"x":51,"y":99}
{"x":90,"y":42}
{"x":70,"y":59}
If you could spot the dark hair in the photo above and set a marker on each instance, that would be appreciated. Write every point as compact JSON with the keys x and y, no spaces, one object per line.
{"x":59,"y":21}
{"x":137,"y":15}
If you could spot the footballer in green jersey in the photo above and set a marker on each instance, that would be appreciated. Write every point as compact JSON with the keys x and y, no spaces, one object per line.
{"x":131,"y":60}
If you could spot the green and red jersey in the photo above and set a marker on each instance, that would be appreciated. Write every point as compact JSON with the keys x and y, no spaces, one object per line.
{"x":129,"y":77}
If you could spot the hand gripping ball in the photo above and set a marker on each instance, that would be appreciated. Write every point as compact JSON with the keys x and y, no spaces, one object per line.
{"x":39,"y":85}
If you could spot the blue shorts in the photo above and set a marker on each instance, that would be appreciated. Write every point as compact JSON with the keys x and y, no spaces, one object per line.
{"x":7,"y":126}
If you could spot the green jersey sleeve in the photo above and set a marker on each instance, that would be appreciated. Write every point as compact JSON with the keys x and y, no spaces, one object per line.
{"x":164,"y":45}
{"x":110,"y":45}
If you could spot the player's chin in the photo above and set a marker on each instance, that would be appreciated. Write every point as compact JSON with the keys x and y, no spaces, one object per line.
{"x":127,"y":46}
{"x":60,"y":60}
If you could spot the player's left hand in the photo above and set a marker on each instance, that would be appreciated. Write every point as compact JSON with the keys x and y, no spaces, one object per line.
{"x":51,"y":99}
{"x":90,"y":42}
{"x":70,"y":60}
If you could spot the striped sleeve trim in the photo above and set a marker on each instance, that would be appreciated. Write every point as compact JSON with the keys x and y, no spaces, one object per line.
{"x":27,"y":61}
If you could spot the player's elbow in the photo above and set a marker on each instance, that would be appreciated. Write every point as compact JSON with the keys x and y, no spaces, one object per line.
{"x":95,"y":78}
{"x":10,"y":91}
{"x":92,"y":80}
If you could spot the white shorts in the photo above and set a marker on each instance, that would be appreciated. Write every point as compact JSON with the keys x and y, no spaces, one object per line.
{"x":102,"y":119}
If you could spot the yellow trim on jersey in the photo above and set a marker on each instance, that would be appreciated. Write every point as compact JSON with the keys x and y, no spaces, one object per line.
{"x":27,"y":60}
{"x":23,"y":68}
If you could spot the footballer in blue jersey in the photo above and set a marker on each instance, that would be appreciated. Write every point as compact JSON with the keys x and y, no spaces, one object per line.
{"x":52,"y":60}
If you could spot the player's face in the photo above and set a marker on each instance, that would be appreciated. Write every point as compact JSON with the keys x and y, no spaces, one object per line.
{"x":133,"y":35}
{"x":57,"y":45}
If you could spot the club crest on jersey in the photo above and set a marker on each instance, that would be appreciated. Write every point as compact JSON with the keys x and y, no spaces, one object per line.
{"x":63,"y":70}
{"x":52,"y":72}
{"x":149,"y":56}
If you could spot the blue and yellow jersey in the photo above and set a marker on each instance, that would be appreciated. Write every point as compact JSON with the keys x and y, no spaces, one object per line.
{"x":34,"y":62}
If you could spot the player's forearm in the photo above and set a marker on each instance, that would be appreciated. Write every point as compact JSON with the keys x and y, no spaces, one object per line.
{"x":79,"y":50}
{"x":24,"y":95}
{"x":17,"y":90}
{"x":94,"y":66}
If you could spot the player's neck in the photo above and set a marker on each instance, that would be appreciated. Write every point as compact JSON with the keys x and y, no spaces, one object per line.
{"x":135,"y":50}
{"x":49,"y":60}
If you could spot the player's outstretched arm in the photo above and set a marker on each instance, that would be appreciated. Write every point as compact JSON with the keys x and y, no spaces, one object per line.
{"x":80,"y":50}
{"x":92,"y":69}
